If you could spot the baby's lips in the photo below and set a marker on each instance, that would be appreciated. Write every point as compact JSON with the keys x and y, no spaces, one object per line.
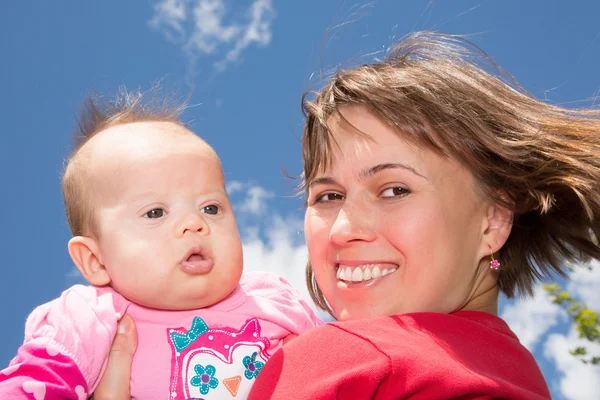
{"x":197,"y":265}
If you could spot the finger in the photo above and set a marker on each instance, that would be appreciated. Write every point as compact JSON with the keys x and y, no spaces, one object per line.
{"x":114,"y":384}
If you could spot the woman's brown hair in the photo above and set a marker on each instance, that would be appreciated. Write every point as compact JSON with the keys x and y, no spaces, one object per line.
{"x":540,"y":160}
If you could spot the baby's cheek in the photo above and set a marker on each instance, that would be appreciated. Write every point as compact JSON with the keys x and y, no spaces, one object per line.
{"x":227,"y":246}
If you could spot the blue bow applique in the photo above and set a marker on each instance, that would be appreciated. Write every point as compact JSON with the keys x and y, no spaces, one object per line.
{"x":182,"y":341}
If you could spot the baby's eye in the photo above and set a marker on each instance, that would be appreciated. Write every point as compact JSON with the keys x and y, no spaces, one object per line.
{"x":155,"y":213}
{"x":211,"y":209}
{"x":326,"y":197}
{"x":395,"y":192}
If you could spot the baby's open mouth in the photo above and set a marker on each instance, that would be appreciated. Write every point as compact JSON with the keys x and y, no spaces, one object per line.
{"x":197,"y":261}
{"x":366,"y":272}
{"x":196,"y":257}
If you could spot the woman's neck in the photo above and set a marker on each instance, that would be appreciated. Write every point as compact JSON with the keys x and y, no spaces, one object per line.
{"x":484,"y":291}
{"x":486,"y":299}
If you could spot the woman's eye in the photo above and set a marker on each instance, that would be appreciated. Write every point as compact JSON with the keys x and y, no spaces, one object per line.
{"x":211,"y":209}
{"x":325,"y":197}
{"x":395,"y":192}
{"x":155,"y":213}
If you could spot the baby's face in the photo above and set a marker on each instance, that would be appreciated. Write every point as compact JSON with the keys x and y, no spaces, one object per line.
{"x":166,"y":232}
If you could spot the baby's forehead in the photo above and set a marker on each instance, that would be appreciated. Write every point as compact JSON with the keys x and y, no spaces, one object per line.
{"x":125,"y":147}
{"x":148,"y":135}
{"x":142,"y":140}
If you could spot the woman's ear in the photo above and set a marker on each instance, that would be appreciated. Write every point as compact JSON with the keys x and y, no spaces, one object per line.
{"x":499,"y":222}
{"x":84,"y":252}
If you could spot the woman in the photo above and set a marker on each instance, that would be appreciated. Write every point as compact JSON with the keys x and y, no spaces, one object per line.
{"x":433,"y":182}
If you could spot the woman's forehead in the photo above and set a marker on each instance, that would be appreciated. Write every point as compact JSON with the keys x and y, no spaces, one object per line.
{"x":363,"y":146}
{"x":359,"y":135}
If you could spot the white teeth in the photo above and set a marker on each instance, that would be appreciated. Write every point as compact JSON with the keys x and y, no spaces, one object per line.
{"x":357,"y":275}
{"x":347,"y":274}
{"x":366,"y":274}
{"x":362,"y":273}
{"x":376,"y":273}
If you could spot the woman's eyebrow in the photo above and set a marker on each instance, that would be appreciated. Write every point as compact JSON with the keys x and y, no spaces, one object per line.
{"x":369,"y":172}
{"x":322,"y":180}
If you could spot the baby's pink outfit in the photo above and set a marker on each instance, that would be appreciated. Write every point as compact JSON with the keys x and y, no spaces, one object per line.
{"x":209,"y":353}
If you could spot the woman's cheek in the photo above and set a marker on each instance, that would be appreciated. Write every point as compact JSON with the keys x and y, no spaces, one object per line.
{"x":316,"y":233}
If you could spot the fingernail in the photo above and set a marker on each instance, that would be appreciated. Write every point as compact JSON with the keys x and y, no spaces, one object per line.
{"x":123,"y":325}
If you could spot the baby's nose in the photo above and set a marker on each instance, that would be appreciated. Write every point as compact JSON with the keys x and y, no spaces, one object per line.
{"x":193,"y":223}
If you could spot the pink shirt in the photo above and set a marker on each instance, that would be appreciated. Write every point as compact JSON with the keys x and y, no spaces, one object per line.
{"x":210,"y":353}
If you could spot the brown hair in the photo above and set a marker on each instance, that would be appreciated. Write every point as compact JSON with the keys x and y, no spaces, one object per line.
{"x":98,"y":114}
{"x":444,"y":93}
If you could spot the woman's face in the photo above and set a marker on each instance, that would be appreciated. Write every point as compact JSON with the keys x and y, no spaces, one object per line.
{"x":393,"y":228}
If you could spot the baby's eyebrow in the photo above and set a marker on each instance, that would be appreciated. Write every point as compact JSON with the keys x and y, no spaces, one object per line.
{"x":369,"y":172}
{"x":142,"y":197}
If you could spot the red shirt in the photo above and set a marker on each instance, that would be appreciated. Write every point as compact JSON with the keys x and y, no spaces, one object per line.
{"x":467,"y":354}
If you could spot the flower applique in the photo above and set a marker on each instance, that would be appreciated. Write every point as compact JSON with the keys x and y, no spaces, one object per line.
{"x":253,"y":367}
{"x":205,"y":378}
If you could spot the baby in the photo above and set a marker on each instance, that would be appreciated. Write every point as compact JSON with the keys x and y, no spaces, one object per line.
{"x":156,"y":237}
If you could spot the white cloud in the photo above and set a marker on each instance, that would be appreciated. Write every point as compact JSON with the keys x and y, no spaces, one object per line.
{"x":579,"y":381}
{"x":531,"y":318}
{"x":280,"y":252}
{"x":584,"y":284}
{"x":169,"y":16}
{"x":233,"y":187}
{"x":211,"y":28}
{"x":258,"y":30}
{"x":254,"y":201}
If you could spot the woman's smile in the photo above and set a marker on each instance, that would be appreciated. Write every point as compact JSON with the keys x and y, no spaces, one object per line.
{"x":366,"y":272}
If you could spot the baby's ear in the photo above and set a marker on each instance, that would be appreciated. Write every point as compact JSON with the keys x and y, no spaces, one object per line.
{"x":85,"y":254}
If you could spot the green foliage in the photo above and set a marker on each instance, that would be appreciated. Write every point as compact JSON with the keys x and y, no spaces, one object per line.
{"x":586,"y":321}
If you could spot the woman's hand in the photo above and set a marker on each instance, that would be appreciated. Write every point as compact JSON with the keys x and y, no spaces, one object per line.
{"x":114,"y":384}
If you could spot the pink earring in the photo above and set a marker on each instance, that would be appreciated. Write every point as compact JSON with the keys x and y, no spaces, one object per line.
{"x":494,"y":264}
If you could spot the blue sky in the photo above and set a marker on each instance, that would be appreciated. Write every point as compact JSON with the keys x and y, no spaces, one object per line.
{"x":248,"y":62}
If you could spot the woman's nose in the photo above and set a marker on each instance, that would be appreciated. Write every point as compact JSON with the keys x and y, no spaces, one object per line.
{"x":192,"y":223}
{"x":353,"y":224}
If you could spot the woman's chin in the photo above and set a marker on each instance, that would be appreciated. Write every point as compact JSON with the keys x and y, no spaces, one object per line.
{"x":348,"y":314}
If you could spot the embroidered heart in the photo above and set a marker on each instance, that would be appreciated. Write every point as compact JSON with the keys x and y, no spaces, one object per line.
{"x":52,"y":350}
{"x":38,"y":389}
{"x":9,"y":370}
{"x":80,"y":391}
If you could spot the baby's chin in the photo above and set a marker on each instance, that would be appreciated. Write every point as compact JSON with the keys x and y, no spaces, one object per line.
{"x":180,"y":303}
{"x":188,"y":294}
{"x":173,"y":303}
